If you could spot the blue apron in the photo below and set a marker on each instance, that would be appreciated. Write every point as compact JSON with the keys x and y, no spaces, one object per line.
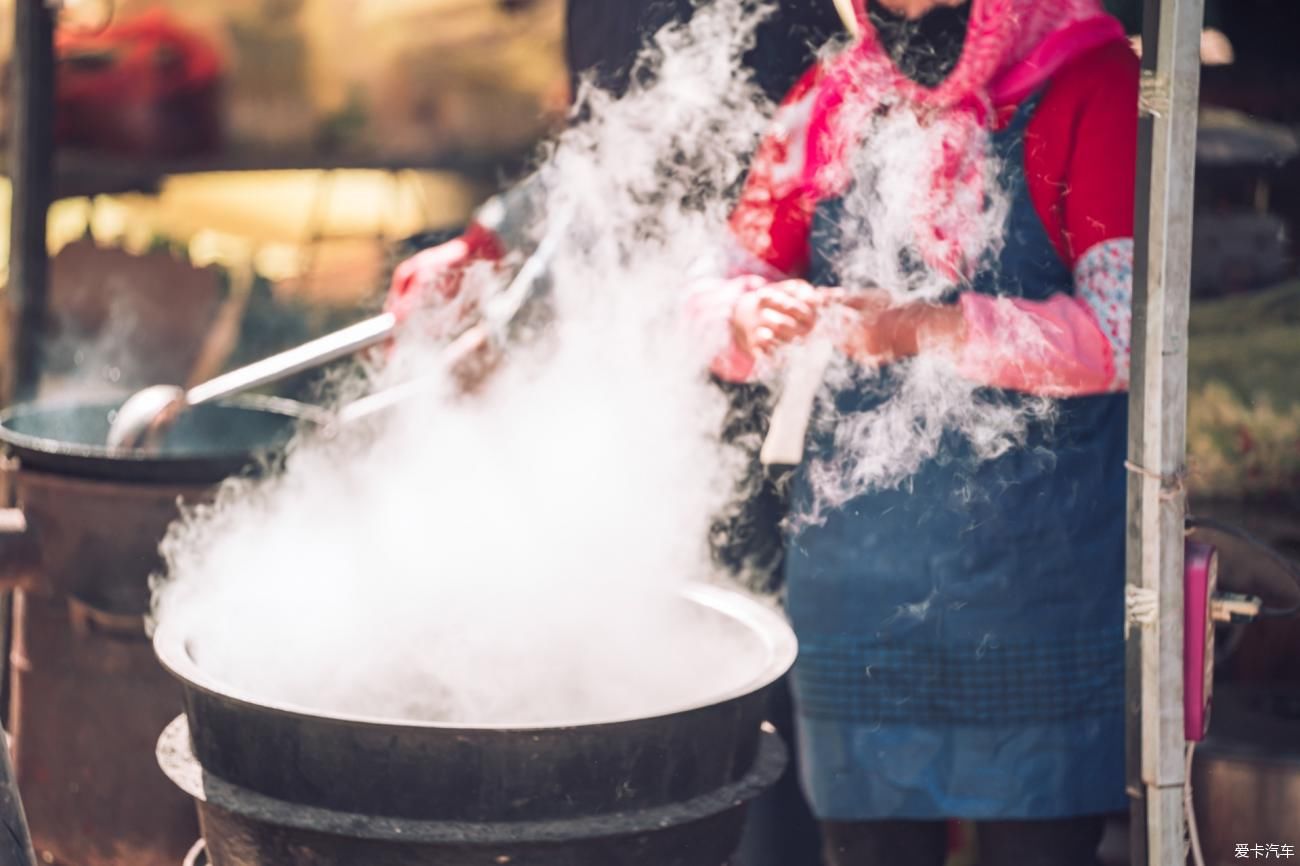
{"x":961,"y":636}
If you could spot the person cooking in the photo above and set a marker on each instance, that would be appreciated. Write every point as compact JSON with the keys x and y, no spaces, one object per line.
{"x":961,"y":635}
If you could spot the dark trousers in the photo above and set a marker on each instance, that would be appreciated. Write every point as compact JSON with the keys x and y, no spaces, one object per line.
{"x":780,"y":829}
{"x":1065,"y":842}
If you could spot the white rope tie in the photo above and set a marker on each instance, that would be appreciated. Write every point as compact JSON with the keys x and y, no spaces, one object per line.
{"x":1143,"y":607}
{"x":1172,"y":487}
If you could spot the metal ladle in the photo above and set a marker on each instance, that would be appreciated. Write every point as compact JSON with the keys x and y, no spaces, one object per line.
{"x":148,"y":413}
{"x":143,"y":418}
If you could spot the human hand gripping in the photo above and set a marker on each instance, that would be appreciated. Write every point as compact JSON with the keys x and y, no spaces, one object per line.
{"x":769,"y":315}
{"x":433,"y":277}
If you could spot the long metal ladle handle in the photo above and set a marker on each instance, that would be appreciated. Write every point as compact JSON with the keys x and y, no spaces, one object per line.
{"x":323,"y":350}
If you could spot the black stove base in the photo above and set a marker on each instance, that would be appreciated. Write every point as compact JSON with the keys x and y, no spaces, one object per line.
{"x":244,"y":828}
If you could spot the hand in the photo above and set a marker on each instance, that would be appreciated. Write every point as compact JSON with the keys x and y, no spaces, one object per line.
{"x":429,"y":277}
{"x":432,"y":277}
{"x":774,"y":314}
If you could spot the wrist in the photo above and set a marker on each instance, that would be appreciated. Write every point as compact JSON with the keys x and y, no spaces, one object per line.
{"x":923,"y":328}
{"x":942,"y":330}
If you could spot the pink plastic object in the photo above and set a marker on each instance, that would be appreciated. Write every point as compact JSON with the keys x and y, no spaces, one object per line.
{"x":1200,"y":581}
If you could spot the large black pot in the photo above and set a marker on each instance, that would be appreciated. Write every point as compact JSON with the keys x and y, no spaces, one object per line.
{"x":89,"y":520}
{"x":287,"y":785}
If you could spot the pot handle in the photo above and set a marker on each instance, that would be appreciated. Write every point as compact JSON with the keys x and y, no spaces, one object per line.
{"x":88,"y":621}
{"x":19,"y":552}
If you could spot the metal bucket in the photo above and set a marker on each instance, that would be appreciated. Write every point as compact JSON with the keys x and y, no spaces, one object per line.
{"x":88,"y":699}
{"x":88,"y":694}
{"x":1246,"y":774}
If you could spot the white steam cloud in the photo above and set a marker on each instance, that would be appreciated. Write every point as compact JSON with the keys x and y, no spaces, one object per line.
{"x":927,"y":403}
{"x":514,"y":556}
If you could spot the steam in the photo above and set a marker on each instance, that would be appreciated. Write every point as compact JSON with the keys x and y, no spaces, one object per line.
{"x":514,"y":556}
{"x":113,"y":325}
{"x":925,"y":403}
{"x":96,"y":364}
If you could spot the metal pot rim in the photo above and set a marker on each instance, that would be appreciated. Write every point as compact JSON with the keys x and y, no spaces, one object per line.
{"x":59,"y":448}
{"x":766,"y":624}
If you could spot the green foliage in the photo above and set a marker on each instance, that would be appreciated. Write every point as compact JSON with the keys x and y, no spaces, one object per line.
{"x":1244,"y":394}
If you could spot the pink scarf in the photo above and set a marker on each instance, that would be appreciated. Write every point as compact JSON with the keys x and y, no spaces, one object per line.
{"x":1012,"y":48}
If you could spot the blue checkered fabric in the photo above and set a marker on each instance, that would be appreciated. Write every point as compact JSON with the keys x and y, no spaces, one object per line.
{"x":854,"y":679}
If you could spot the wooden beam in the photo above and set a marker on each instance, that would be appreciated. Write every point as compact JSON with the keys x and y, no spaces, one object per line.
{"x":1158,"y":423}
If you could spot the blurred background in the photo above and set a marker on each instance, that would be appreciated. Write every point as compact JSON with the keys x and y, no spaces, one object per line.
{"x":233,"y":178}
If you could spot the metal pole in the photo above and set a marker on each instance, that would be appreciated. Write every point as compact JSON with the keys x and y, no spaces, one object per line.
{"x":1158,"y":424}
{"x":15,"y":841}
{"x":31,"y":174}
{"x":31,"y":170}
